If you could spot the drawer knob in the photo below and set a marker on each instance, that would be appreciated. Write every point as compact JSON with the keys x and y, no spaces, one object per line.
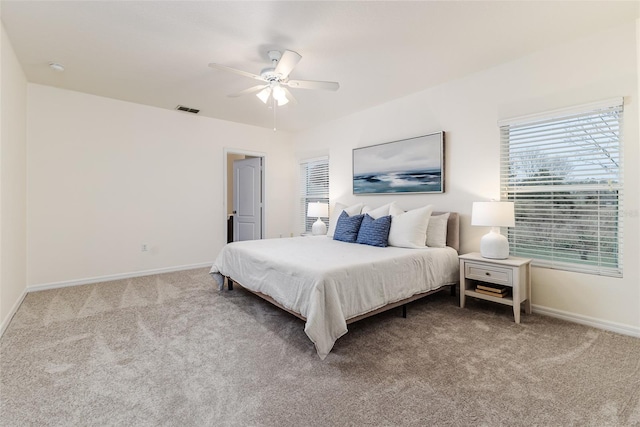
{"x":487,"y":273}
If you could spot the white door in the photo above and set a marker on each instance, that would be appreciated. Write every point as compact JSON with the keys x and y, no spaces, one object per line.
{"x":247,"y":199}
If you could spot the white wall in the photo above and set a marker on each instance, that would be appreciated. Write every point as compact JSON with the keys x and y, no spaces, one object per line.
{"x":106,"y":176}
{"x":13,"y":203}
{"x":595,"y":68}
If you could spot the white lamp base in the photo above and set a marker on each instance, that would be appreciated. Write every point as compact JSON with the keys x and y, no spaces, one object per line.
{"x":494,"y":245}
{"x":319,"y":228}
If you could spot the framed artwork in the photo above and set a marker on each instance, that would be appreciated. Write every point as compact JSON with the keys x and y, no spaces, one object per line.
{"x":414,"y":165}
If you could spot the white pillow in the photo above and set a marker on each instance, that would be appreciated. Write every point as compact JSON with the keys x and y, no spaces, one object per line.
{"x":409,"y":229}
{"x":437,"y":231}
{"x":395,"y":210}
{"x":335,"y":214}
{"x":377,"y":212}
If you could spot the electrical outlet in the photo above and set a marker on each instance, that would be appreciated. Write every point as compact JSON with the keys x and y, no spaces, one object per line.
{"x":144,"y":247}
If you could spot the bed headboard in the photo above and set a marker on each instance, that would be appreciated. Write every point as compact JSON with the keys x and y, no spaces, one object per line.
{"x":453,"y":230}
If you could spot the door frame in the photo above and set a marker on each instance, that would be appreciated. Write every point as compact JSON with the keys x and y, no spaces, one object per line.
{"x":225,"y":183}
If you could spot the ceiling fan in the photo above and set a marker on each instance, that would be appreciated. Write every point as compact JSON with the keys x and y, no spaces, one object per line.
{"x":276,"y":79}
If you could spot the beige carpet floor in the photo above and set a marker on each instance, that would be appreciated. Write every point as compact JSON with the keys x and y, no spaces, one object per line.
{"x":169,"y":350}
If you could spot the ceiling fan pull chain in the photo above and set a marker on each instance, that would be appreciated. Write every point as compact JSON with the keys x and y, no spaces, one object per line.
{"x":274,"y":113}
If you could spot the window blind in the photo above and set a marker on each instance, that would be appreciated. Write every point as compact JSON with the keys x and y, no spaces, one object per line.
{"x":314,"y":187}
{"x":564,"y":174}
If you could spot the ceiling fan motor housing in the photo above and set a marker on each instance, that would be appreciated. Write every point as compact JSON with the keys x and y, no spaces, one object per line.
{"x":269,"y":73}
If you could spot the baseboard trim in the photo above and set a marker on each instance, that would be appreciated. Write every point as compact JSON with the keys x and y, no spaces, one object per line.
{"x":7,"y":320}
{"x":110,"y":277}
{"x":619,"y":328}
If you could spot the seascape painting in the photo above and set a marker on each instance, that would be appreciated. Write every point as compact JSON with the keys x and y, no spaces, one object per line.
{"x":414,"y":165}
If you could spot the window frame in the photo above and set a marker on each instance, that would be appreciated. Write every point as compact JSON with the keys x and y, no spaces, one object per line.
{"x":576,"y":202}
{"x":318,"y":194}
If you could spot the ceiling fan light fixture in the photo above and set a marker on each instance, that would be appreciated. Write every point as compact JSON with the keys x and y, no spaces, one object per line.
{"x":264,"y":94}
{"x":280,"y":96}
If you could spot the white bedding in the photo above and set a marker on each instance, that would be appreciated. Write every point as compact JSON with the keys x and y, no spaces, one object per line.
{"x":329,"y":281}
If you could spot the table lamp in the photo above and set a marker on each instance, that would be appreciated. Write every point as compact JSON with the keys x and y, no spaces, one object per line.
{"x":495,"y":215}
{"x":317,"y":210}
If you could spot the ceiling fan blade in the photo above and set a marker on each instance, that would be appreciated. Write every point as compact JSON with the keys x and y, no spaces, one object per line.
{"x":313,"y":84}
{"x":287,"y":62}
{"x":248,"y":91}
{"x":290,"y":96}
{"x":233,"y":70}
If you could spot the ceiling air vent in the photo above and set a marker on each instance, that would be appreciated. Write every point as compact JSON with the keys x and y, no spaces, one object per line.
{"x":187,"y":109}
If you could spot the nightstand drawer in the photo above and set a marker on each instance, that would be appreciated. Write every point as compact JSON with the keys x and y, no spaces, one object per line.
{"x":488,"y":273}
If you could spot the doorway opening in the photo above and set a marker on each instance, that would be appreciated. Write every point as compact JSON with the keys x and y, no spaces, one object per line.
{"x":244,"y":194}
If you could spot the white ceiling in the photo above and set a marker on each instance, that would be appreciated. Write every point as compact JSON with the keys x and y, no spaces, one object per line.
{"x":156,"y":52}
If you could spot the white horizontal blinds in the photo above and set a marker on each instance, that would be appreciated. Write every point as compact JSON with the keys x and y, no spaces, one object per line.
{"x":564,"y":174}
{"x":314,"y":187}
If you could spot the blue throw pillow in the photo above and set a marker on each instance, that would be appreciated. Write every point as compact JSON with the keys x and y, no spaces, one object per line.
{"x":347,"y":227}
{"x":374,"y":232}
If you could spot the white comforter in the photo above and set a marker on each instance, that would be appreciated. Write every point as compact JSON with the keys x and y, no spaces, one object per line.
{"x":329,"y":281}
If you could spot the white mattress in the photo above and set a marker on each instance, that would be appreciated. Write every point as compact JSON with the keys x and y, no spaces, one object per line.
{"x":329,"y":281}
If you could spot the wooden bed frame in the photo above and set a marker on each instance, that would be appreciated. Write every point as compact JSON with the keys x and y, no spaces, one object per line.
{"x":453,"y":240}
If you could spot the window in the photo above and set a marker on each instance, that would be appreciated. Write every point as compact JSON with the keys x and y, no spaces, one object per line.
{"x":314,"y":187}
{"x":563,"y":171}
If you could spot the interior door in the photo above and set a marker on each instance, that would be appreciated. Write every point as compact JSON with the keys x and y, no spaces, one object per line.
{"x":247,"y":199}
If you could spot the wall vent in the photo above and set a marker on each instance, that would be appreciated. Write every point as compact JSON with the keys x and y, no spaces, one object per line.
{"x":187,"y":109}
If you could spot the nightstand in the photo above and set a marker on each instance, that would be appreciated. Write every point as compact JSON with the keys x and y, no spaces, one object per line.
{"x":512,"y":272}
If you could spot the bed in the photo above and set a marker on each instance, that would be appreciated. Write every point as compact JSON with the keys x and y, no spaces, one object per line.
{"x":329,"y":283}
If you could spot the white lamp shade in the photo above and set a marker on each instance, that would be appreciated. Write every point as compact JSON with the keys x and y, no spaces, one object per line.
{"x":493,"y":214}
{"x":264,"y":94}
{"x":280,"y":96}
{"x":318,"y":209}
